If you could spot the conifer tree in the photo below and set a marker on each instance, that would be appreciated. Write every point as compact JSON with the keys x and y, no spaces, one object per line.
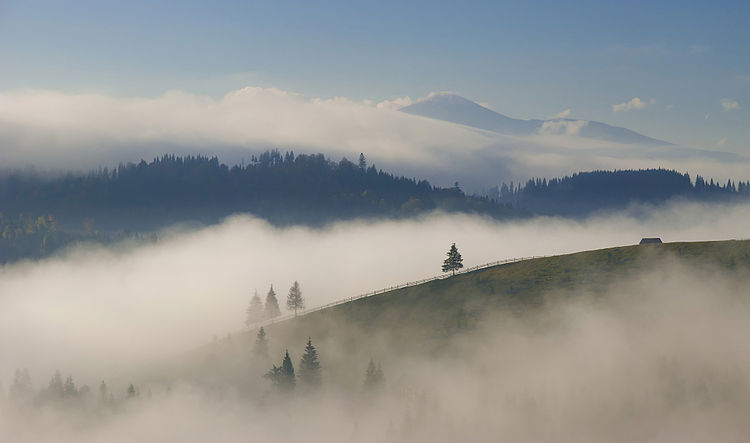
{"x":309,"y":366}
{"x":255,"y":312}
{"x":272,"y":304}
{"x":69,"y":389}
{"x":374,"y":377}
{"x":131,"y":391}
{"x":454,"y":261}
{"x":362,"y":161}
{"x":282,"y":377}
{"x":261,"y":343}
{"x":294,"y":300}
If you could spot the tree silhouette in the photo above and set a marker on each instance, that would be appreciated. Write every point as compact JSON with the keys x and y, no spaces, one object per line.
{"x":255,"y":312}
{"x":374,"y":377}
{"x":261,"y":343}
{"x":309,"y":366}
{"x":272,"y":304}
{"x":454,"y":261}
{"x":282,"y":377}
{"x":294,"y":300}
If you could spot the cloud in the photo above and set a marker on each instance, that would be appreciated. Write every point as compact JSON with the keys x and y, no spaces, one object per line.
{"x":52,"y":130}
{"x":729,"y":105}
{"x":633,"y":104}
{"x":395,"y":104}
{"x":663,"y":346}
{"x":564,"y":114}
{"x":562,"y":127}
{"x":669,"y":107}
{"x":721,"y":142}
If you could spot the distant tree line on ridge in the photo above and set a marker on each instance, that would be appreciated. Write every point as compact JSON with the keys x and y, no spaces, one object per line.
{"x":585,"y":192}
{"x":282,"y":188}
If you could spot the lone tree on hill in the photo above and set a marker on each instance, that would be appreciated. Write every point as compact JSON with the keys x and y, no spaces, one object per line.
{"x":294,"y":300}
{"x":272,"y":304}
{"x":261,"y":343}
{"x":309,"y":366}
{"x":254,"y":311}
{"x":454,"y":261}
{"x":282,"y":376}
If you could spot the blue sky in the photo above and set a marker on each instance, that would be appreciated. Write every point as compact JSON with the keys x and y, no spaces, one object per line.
{"x":525,"y":59}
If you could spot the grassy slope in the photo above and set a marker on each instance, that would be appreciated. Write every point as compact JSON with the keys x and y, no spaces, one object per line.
{"x":426,"y":314}
{"x":429,"y":318}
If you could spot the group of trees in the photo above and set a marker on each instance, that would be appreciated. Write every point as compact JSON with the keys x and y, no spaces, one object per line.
{"x":64,"y":393}
{"x":282,"y":188}
{"x":284,"y":378}
{"x":589,"y":191}
{"x":257,"y":312}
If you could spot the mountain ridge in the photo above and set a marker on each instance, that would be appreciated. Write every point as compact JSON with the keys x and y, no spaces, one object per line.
{"x":456,"y":109}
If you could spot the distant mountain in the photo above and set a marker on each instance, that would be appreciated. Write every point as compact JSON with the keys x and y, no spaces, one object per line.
{"x":456,"y":109}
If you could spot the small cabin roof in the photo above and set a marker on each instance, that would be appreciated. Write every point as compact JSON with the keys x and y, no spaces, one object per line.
{"x":650,"y":240}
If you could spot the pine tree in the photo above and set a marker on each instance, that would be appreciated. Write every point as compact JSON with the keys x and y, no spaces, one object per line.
{"x":294,"y":300}
{"x":362,"y":161}
{"x":56,"y":386}
{"x":309,"y":366}
{"x":282,"y":377}
{"x":261,"y":344}
{"x":69,"y":389}
{"x":374,"y":377}
{"x":255,"y":312}
{"x":454,"y":261}
{"x":131,"y":391}
{"x":272,"y":304}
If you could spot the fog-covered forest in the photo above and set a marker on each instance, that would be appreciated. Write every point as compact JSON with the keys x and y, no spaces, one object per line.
{"x":587,"y":192}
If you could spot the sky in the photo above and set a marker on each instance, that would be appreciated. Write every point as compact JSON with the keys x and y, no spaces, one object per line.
{"x":678,"y":71}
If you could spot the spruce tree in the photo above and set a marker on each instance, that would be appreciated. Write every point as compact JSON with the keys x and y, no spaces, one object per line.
{"x":272,"y":304}
{"x":454,"y":261}
{"x":374,"y":377}
{"x":362,"y":161}
{"x":261,"y":343}
{"x":309,"y":366}
{"x":282,"y":377}
{"x":255,"y":312}
{"x":294,"y":300}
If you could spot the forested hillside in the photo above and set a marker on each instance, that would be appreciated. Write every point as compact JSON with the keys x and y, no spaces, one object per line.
{"x":282,"y":188}
{"x":585,"y":192}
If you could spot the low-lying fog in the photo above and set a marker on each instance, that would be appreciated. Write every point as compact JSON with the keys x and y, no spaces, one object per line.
{"x":665,"y":360}
{"x":96,"y":310}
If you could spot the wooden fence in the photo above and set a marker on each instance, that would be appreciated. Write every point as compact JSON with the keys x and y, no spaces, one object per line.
{"x":392,"y":288}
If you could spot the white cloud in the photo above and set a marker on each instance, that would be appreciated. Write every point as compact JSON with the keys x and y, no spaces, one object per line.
{"x":396,"y":103}
{"x":721,"y":142}
{"x":564,"y":114}
{"x":634,"y":103}
{"x":562,"y":127}
{"x":52,"y":129}
{"x":729,"y":105}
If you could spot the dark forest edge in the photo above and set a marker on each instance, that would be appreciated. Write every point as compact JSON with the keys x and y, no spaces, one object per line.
{"x":41,"y":215}
{"x":587,"y":192}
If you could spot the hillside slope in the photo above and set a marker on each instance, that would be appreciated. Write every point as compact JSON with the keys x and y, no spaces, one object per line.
{"x":424,"y":316}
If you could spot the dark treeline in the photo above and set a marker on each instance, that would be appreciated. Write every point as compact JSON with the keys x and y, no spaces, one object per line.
{"x":282,"y":188}
{"x":586,"y":192}
{"x":29,"y":237}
